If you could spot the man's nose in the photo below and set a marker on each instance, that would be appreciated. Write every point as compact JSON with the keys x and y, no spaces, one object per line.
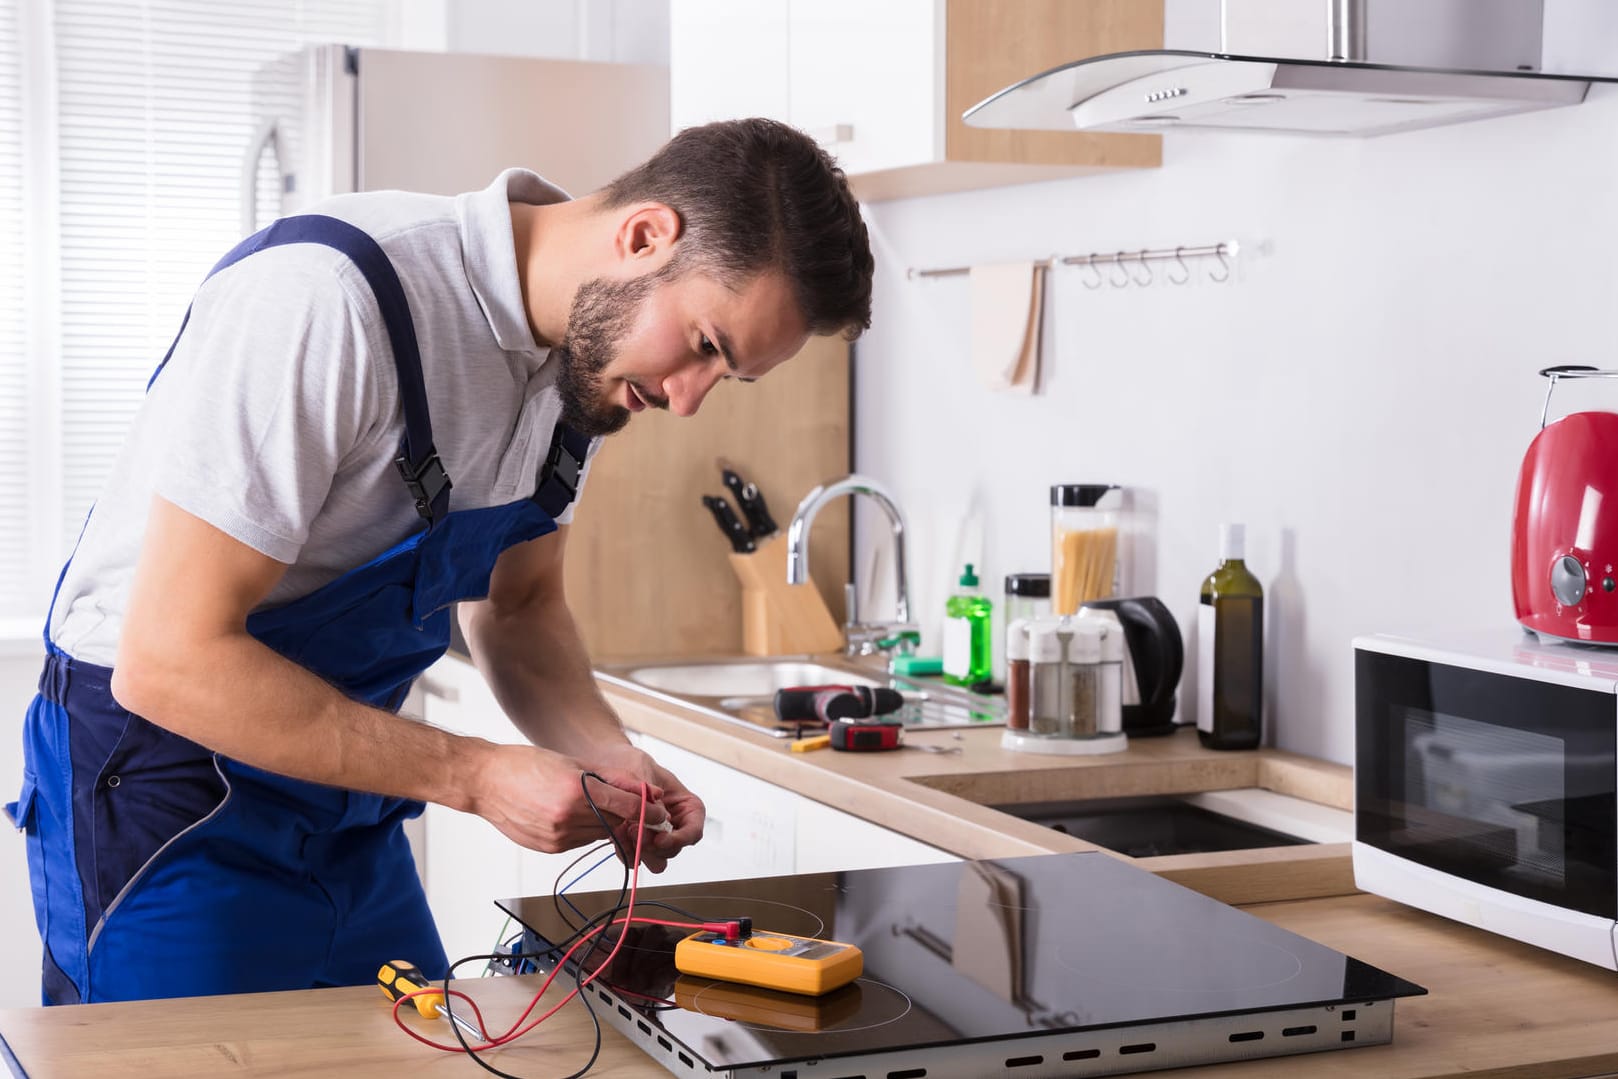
{"x":687,"y":390}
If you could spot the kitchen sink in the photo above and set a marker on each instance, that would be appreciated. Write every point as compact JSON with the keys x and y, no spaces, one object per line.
{"x":1156,"y":825}
{"x":742,"y":690}
{"x":759,"y":679}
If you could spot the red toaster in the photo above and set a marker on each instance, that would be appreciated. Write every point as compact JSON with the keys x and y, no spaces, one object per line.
{"x":1564,"y":533}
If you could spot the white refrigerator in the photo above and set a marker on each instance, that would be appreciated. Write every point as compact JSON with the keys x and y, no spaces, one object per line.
{"x":333,"y":119}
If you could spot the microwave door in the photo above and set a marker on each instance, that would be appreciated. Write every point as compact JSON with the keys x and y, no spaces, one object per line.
{"x":1505,"y":782}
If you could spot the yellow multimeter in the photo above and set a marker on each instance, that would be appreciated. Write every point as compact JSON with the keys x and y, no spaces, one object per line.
{"x":772,"y":960}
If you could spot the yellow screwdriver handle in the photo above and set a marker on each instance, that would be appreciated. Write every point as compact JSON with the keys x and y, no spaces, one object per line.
{"x":398,"y":977}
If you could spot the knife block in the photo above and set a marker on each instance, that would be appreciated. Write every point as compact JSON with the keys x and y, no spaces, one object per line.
{"x":780,"y":618}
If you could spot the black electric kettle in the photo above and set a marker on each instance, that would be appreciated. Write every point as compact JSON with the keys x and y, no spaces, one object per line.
{"x":1155,"y":658}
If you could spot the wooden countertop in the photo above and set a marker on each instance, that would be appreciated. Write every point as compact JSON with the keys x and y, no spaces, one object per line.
{"x":943,"y":798}
{"x":1496,"y":1009}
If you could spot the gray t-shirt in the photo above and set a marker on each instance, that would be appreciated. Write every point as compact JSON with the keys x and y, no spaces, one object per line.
{"x":278,"y":418}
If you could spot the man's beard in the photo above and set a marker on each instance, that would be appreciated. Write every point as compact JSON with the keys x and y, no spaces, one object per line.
{"x":603,"y":311}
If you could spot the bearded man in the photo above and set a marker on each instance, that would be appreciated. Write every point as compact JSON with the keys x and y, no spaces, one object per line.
{"x":375,"y":412}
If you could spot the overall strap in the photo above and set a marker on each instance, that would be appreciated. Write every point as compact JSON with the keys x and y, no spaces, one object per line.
{"x":559,"y":477}
{"x":418,"y":461}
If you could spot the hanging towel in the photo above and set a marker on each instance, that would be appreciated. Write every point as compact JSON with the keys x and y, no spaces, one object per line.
{"x":1006,"y":302}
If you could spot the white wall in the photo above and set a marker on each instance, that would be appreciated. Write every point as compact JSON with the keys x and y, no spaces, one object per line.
{"x":1360,"y":393}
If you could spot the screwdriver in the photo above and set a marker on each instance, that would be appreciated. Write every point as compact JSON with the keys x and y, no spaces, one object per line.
{"x":400,"y":976}
{"x":813,"y":742}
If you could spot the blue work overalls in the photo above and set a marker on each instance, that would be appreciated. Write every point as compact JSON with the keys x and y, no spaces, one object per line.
{"x":161,"y":869}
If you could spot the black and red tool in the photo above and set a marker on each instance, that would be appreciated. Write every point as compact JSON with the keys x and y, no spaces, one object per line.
{"x":865,"y":735}
{"x":829,"y":703}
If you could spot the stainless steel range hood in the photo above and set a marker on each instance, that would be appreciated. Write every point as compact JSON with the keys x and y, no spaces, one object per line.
{"x":1317,"y":67}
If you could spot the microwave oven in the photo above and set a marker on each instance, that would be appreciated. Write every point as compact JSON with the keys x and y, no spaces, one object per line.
{"x":1485,"y":784}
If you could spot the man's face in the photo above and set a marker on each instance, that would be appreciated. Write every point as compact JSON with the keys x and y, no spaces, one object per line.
{"x":663,"y":340}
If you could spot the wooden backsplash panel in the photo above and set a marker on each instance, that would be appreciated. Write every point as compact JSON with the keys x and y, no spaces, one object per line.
{"x":647,"y":572}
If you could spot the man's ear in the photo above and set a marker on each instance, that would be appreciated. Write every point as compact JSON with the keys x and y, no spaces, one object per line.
{"x":648,"y":231}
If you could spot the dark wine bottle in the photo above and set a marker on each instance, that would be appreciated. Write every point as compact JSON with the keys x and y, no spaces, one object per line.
{"x":1230,"y":650}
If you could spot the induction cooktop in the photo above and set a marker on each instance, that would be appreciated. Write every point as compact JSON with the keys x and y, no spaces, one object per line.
{"x":1047,"y":966}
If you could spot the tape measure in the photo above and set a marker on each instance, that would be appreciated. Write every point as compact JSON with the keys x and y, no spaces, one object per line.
{"x":860,"y":735}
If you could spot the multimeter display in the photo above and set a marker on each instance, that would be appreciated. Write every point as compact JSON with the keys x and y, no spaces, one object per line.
{"x":772,"y":960}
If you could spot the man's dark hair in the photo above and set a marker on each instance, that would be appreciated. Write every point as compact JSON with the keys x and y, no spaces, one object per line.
{"x":757,"y":194}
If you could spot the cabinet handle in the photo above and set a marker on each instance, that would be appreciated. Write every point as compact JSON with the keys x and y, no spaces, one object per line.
{"x":434,"y":688}
{"x":831,"y":136}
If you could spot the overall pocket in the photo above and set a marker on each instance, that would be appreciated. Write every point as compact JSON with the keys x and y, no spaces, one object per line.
{"x":21,"y":812}
{"x":152,"y":787}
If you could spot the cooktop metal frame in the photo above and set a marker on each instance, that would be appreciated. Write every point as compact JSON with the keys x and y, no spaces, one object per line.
{"x":1120,"y":1050}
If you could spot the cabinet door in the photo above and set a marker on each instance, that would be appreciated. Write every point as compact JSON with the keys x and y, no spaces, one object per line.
{"x":468,"y":864}
{"x":829,"y":839}
{"x":751,"y":824}
{"x":727,"y":59}
{"x":866,"y":80}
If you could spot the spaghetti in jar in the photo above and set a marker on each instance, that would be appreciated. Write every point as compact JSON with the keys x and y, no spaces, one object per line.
{"x":1086,"y":520}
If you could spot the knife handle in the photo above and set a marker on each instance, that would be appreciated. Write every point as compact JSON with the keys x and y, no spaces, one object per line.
{"x":729,"y":524}
{"x":758,"y":516}
{"x":749,"y":498}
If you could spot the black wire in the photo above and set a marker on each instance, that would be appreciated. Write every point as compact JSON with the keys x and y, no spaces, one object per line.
{"x":578,"y":969}
{"x":591,"y":802}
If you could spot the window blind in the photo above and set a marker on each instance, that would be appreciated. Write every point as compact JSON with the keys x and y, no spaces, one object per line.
{"x":14,"y":432}
{"x":154,"y":118}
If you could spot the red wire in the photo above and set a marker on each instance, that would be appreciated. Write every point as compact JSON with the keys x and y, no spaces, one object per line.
{"x":513,"y":1033}
{"x":428,"y":1041}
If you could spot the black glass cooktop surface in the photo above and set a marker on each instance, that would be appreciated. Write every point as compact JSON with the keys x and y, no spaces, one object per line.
{"x":1009,"y":951}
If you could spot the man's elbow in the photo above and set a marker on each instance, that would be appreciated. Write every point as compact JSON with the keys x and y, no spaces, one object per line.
{"x":145,"y":679}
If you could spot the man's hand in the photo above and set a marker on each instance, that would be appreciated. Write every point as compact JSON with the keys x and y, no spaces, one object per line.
{"x":682,"y":808}
{"x":535,"y":798}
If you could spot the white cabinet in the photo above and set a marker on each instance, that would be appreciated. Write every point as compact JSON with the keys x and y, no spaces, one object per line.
{"x":727,"y":58}
{"x":862,"y":78}
{"x":466,"y":863}
{"x":756,"y":829}
{"x":829,"y":839}
{"x":751,"y":824}
{"x":882,"y":85}
{"x":866,"y":80}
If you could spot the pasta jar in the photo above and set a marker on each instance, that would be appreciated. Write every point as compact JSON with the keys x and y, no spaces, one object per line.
{"x":1086,"y":556}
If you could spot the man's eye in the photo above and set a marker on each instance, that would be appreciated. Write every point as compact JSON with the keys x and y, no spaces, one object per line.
{"x":706,"y":347}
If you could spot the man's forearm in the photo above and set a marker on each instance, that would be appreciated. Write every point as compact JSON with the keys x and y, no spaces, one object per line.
{"x":238,"y":697}
{"x":536,"y":663}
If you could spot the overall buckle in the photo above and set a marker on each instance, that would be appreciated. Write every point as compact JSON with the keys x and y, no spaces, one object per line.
{"x":425,"y":481}
{"x":559,"y":478}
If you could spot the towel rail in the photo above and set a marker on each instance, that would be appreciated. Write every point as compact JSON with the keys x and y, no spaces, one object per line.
{"x":1223,"y":251}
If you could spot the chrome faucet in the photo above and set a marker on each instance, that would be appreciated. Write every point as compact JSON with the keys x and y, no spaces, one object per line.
{"x":862,"y":638}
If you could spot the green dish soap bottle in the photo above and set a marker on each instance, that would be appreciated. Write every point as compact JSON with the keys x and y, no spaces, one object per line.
{"x":967,"y":641}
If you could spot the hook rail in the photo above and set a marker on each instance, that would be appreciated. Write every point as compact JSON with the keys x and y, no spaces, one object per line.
{"x":1121,"y":260}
